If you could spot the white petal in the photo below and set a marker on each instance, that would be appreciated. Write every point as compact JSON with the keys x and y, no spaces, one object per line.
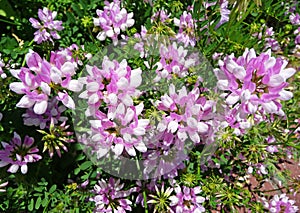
{"x":131,"y":151}
{"x":285,"y":95}
{"x":139,"y":131}
{"x":24,"y":169}
{"x":92,"y":87}
{"x":141,"y":147}
{"x":173,"y":126}
{"x":192,"y":122}
{"x":276,"y":80}
{"x":13,"y":168}
{"x":45,"y":88}
{"x":136,"y":78}
{"x":17,"y":87}
{"x":25,"y":102}
{"x":118,"y":149}
{"x":68,"y":68}
{"x":287,"y":73}
{"x":232,"y":99}
{"x":239,"y":72}
{"x":202,"y":127}
{"x":75,"y":86}
{"x":110,"y":33}
{"x":101,"y":36}
{"x":40,"y":107}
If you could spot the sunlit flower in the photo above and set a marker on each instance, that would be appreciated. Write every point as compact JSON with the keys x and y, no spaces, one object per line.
{"x":47,"y":28}
{"x":109,"y":197}
{"x":112,"y":20}
{"x":187,"y":200}
{"x":281,"y":203}
{"x":254,"y":85}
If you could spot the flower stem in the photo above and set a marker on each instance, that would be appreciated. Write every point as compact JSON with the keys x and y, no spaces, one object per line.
{"x":145,"y":201}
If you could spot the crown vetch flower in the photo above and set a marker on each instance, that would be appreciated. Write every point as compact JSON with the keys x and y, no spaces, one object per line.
{"x":112,"y":20}
{"x":188,"y":113}
{"x":187,"y":26}
{"x":187,"y":200}
{"x":254,"y":84}
{"x":18,"y":154}
{"x":109,"y":92}
{"x":47,"y":28}
{"x":175,"y":60}
{"x":122,"y":131}
{"x":281,"y":203}
{"x":224,"y":13}
{"x":109,"y":196}
{"x":42,"y":77}
{"x":43,"y":121}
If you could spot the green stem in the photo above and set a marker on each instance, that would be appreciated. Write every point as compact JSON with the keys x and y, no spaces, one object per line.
{"x":9,"y":22}
{"x":145,"y":201}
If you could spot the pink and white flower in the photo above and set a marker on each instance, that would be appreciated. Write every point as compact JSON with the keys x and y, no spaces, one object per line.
{"x":113,"y":20}
{"x":18,"y":154}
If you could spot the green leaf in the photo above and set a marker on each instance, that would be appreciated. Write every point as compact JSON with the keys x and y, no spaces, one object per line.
{"x":86,"y":165}
{"x":45,"y":202}
{"x":52,"y":189}
{"x":38,"y":203}
{"x":30,"y":207}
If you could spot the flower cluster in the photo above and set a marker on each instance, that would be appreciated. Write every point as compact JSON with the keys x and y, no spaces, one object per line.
{"x":53,"y":111}
{"x":187,"y":200}
{"x":281,"y":204}
{"x":174,"y":60}
{"x":117,"y":126}
{"x":41,"y":77}
{"x":224,"y":13}
{"x":187,"y":113}
{"x":185,"y":122}
{"x":187,"y":26}
{"x":48,"y":28}
{"x":110,"y":197}
{"x":253,"y":85}
{"x":267,"y":33}
{"x":18,"y":154}
{"x":161,"y":16}
{"x":112,"y":20}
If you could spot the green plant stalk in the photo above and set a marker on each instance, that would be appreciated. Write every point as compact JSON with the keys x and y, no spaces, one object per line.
{"x":145,"y":201}
{"x":9,"y":22}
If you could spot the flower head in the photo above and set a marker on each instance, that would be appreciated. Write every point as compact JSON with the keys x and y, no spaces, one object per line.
{"x":187,"y":200}
{"x":281,"y":203}
{"x":109,"y":196}
{"x":254,"y":85}
{"x":18,"y":154}
{"x":47,"y":28}
{"x":112,"y":20}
